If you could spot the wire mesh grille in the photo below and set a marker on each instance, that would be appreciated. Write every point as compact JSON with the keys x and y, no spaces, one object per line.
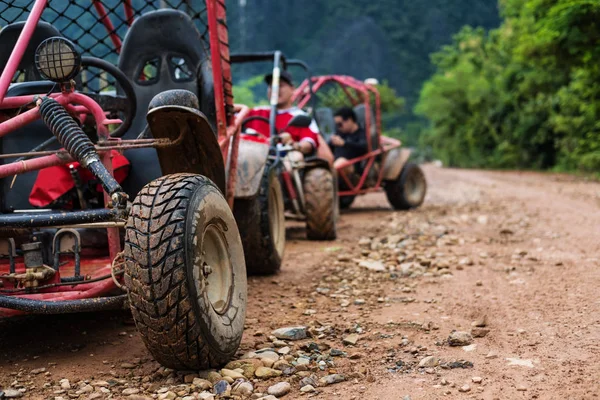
{"x":81,"y":20}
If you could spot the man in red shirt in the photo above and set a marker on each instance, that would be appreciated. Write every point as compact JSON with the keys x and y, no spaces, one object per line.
{"x":305,"y":140}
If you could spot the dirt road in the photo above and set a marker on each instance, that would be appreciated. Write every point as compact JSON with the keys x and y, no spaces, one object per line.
{"x":516,"y":253}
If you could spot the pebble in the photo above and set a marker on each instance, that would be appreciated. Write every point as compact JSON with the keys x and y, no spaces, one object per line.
{"x":242,"y":388}
{"x":284,"y":350}
{"x":128,"y":366}
{"x":459,"y":338}
{"x":309,"y":381}
{"x":465,"y":388}
{"x":519,"y":362}
{"x":38,"y":371}
{"x":521,"y":388}
{"x":291,"y":333}
{"x":331,"y":379}
{"x":479,"y":332}
{"x":206,"y":396}
{"x":202,"y":384}
{"x":429,"y":362}
{"x":129,"y":391}
{"x":231,"y":373}
{"x":373,"y":265}
{"x":351,"y":339}
{"x":65,"y":384}
{"x":477,"y":379}
{"x":12,"y":393}
{"x":307,"y":389}
{"x":167,"y":396}
{"x":269,"y":397}
{"x":222,"y":388}
{"x":279,"y":389}
{"x":265,"y":373}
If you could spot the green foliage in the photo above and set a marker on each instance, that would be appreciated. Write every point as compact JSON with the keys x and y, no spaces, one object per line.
{"x":246,"y":92}
{"x":524,"y":95}
{"x":392,"y":106}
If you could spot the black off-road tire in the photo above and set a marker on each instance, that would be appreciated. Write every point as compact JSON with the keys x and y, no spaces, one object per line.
{"x":322,"y":208}
{"x":346,"y":202}
{"x":261,"y":221}
{"x":183,"y":256}
{"x":408,"y":191}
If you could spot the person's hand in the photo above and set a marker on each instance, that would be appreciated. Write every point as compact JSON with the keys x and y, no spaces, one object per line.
{"x":285,"y":137}
{"x":337,"y":140}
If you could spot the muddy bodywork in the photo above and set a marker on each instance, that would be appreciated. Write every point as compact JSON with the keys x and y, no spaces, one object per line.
{"x":252,"y":161}
{"x":174,"y":115}
{"x":394,"y":161}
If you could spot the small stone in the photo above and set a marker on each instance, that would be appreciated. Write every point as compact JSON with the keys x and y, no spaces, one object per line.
{"x":65,"y":384}
{"x":291,"y":333}
{"x":279,"y":389}
{"x":129,"y":391}
{"x":479,"y":332}
{"x":206,"y":396}
{"x":100,"y":384}
{"x":307,"y":389}
{"x":38,"y":371}
{"x":521,"y":388}
{"x":202,"y":384}
{"x":464,"y":388}
{"x":269,"y":397}
{"x":189,"y":378}
{"x":242,"y":388}
{"x":519,"y":362}
{"x":331,"y":379}
{"x":231,"y":373}
{"x":373,"y":265}
{"x":222,"y":388}
{"x":429,"y":362}
{"x":458,"y":338}
{"x":360,"y":302}
{"x":477,"y":379}
{"x":351,"y":339}
{"x":284,"y":350}
{"x":336,"y":353}
{"x":214,"y":377}
{"x":491,"y":354}
{"x":481,"y":322}
{"x":309,"y":381}
{"x":12,"y":393}
{"x":265,"y":373}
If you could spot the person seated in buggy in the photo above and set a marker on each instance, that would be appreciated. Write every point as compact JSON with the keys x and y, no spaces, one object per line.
{"x":303,"y":139}
{"x":349,"y":141}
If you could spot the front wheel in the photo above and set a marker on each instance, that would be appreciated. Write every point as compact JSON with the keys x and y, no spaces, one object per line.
{"x":185,"y":272}
{"x":408,"y":191}
{"x":261,"y":221}
{"x":320,"y":195}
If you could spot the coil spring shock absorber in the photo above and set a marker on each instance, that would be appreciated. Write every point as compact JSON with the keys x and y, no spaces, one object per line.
{"x":79,"y":146}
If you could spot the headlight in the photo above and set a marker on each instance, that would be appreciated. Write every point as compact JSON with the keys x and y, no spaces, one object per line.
{"x":57,"y":59}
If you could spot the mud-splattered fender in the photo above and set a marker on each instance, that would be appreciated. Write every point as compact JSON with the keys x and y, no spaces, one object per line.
{"x":394,"y":161}
{"x":252,"y":159}
{"x":174,"y":115}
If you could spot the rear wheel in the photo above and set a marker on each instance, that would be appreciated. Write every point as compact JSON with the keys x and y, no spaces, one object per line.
{"x":320,"y":195}
{"x":185,"y":272}
{"x":261,"y":221}
{"x":408,"y":191}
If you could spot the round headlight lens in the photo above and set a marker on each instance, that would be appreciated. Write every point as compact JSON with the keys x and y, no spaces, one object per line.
{"x":57,"y":59}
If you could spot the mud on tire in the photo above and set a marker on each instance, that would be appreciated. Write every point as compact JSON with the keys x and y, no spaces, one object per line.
{"x":261,"y":221}
{"x":408,"y":191}
{"x":321,"y":204}
{"x":185,"y":272}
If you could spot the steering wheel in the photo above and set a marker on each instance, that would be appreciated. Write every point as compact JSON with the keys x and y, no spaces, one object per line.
{"x":254,"y":118}
{"x":123,"y":105}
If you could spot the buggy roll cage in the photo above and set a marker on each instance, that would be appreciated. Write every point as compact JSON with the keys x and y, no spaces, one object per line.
{"x":85,"y":295}
{"x":306,"y":93}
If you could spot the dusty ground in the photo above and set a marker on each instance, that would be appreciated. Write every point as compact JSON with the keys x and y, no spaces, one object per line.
{"x":520,"y":249}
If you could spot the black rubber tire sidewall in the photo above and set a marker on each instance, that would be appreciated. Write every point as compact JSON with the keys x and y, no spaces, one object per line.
{"x":395,"y":190}
{"x":254,"y":222}
{"x":322,"y":204}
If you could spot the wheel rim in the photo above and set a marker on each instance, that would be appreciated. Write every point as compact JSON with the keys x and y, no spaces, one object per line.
{"x":217,"y":269}
{"x":414,"y":188}
{"x":276,"y":219}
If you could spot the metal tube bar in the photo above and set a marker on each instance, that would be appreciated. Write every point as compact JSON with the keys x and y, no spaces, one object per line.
{"x":61,"y":307}
{"x":20,"y":47}
{"x":51,"y":219}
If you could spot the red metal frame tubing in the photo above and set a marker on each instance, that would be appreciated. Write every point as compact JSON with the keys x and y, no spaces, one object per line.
{"x":128,"y":11}
{"x":20,"y":47}
{"x":110,"y":28}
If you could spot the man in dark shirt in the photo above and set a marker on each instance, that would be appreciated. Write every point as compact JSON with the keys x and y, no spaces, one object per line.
{"x":350,"y":140}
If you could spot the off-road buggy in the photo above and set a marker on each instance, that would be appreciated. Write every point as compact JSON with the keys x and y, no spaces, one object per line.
{"x":121,"y":179}
{"x":309,"y":182}
{"x":385,"y":165}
